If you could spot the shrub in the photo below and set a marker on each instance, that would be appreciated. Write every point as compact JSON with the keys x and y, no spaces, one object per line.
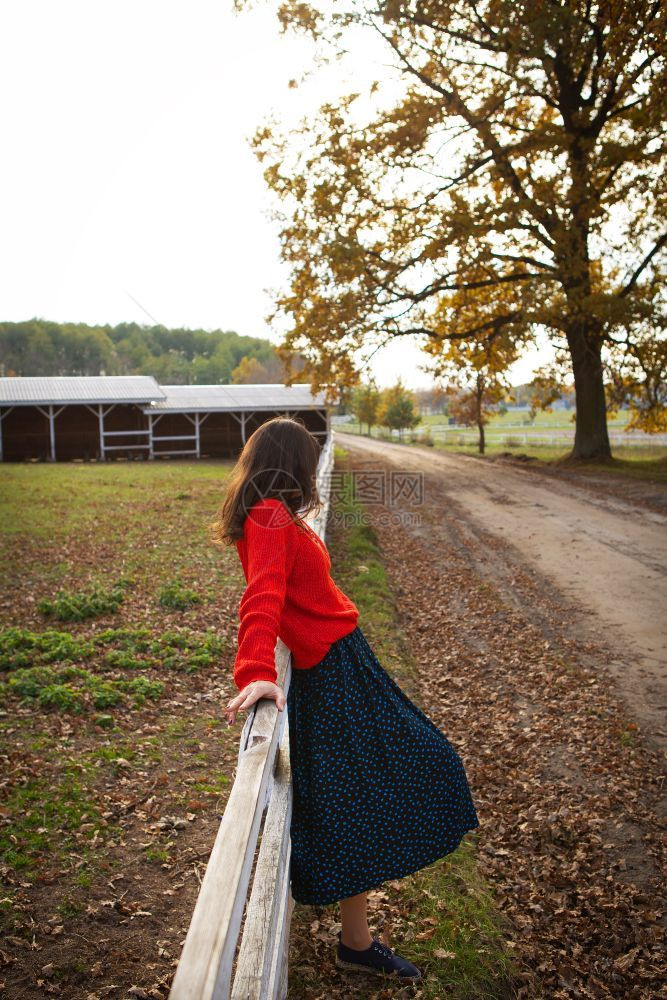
{"x":186,"y":650}
{"x":133,"y":640}
{"x":61,"y":696}
{"x":142,"y":688}
{"x":29,"y":682}
{"x":104,"y":694}
{"x":118,"y":659}
{"x":22,"y":648}
{"x":175,"y":595}
{"x":86,"y":604}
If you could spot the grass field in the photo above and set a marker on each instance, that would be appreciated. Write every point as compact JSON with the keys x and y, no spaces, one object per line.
{"x":514,"y":423}
{"x":116,"y":759}
{"x":544,"y":419}
{"x":548,"y":439}
{"x":118,"y":623}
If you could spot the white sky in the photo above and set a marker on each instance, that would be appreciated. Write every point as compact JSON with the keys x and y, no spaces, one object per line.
{"x":126,"y":172}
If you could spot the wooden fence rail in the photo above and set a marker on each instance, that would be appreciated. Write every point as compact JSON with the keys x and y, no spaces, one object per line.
{"x":262,"y":783}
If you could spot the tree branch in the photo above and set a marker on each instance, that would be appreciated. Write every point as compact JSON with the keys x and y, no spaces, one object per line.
{"x":644,"y":264}
{"x":456,"y":104}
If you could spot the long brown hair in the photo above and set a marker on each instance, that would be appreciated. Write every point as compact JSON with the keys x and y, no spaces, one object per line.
{"x":278,"y":460}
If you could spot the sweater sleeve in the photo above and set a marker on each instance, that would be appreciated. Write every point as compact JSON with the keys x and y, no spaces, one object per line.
{"x":268,"y":536}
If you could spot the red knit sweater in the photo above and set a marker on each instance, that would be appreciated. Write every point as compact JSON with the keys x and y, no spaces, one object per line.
{"x":289,"y":593}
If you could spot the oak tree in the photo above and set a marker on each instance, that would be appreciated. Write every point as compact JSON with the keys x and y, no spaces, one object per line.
{"x":523,"y":156}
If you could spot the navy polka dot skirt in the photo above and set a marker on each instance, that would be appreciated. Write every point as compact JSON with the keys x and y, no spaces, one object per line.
{"x":378,"y":790}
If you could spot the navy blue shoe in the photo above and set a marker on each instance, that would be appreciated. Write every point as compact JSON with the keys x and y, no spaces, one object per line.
{"x":378,"y":958}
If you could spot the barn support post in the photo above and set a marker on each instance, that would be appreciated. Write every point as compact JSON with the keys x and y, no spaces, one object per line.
{"x":3,"y":414}
{"x":100,"y":415}
{"x":52,"y":433}
{"x":240,"y":419}
{"x":194,"y":420}
{"x":97,"y":410}
{"x":201,"y":417}
{"x":151,"y":452}
{"x":51,"y":416}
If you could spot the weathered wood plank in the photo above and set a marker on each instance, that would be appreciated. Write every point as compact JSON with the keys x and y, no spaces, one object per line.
{"x":204,"y":969}
{"x":263,"y":934}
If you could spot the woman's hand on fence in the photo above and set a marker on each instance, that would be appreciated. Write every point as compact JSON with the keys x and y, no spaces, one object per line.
{"x":250,"y":694}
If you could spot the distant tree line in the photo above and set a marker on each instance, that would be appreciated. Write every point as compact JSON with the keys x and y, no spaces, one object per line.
{"x":469,"y":402}
{"x":172,"y":356}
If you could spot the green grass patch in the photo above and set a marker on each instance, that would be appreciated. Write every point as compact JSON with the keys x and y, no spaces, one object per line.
{"x":70,"y":908}
{"x":176,"y":595}
{"x":128,"y":519}
{"x":119,"y":659}
{"x":126,"y":649}
{"x":42,"y":667}
{"x":61,"y":698}
{"x":142,"y":689}
{"x":464,"y":957}
{"x":50,"y":689}
{"x":357,"y":564}
{"x":210,"y":786}
{"x":176,"y":649}
{"x":52,"y":816}
{"x":91,"y":603}
{"x":68,"y":498}
{"x":21,"y":647}
{"x":158,"y":854}
{"x":643,"y":463}
{"x":631,"y":464}
{"x":110,"y":754}
{"x":83,"y":529}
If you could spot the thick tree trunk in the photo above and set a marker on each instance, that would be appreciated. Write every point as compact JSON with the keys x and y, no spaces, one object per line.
{"x":591,"y":439}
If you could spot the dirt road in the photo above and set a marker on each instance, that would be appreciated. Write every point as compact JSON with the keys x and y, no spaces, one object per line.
{"x":602,"y":559}
{"x":523,"y":597}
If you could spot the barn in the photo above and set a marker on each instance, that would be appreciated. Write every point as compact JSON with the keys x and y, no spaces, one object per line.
{"x":103,"y":417}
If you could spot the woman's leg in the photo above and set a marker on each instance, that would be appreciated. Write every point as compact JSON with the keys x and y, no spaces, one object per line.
{"x":354,"y":922}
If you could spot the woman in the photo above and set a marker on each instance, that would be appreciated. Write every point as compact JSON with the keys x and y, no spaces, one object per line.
{"x":378,"y":791}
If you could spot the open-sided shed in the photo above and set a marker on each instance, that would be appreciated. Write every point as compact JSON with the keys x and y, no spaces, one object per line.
{"x":132,"y":416}
{"x":216,"y":420}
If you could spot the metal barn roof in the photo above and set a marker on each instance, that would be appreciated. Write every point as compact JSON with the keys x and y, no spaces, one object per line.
{"x":38,"y":390}
{"x":237,"y":397}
